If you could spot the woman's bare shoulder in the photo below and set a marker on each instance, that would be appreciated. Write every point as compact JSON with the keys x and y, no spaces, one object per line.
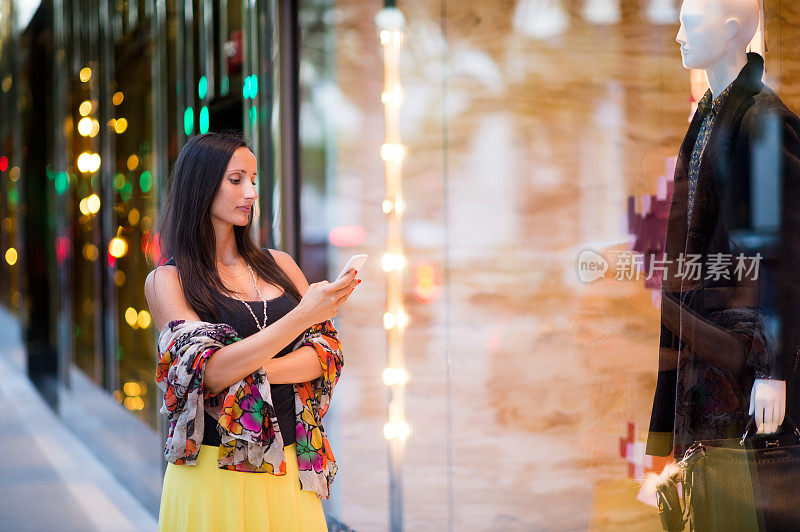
{"x":290,"y":267}
{"x":164,"y":294}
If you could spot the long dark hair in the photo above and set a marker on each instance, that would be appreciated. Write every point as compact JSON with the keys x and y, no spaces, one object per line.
{"x":187,"y":233}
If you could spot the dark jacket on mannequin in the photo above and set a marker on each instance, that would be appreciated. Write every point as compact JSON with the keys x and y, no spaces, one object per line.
{"x":719,"y":335}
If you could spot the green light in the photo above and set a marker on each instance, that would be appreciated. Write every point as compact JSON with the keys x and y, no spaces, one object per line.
{"x":126,"y":191}
{"x":253,"y":115}
{"x":202,"y":88}
{"x":12,"y":197}
{"x":246,"y":88}
{"x":95,"y":180}
{"x":146,"y":181}
{"x":226,"y":86}
{"x":188,"y":121}
{"x":119,"y":180}
{"x":50,"y":174}
{"x":61,"y":183}
{"x":253,"y":86}
{"x":204,"y":119}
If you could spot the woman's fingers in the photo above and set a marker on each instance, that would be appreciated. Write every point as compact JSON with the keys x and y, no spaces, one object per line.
{"x":343,"y":282}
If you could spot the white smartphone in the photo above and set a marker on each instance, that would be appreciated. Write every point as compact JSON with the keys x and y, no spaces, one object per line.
{"x":356,"y":262}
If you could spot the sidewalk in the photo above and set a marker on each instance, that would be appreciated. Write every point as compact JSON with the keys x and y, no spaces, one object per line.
{"x":49,"y":481}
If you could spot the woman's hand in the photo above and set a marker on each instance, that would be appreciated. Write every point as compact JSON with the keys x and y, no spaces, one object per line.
{"x":322,"y":300}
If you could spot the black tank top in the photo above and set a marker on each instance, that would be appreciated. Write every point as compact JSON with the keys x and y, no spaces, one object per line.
{"x":243,"y":323}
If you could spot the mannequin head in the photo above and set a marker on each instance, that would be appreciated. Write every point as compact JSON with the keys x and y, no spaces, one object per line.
{"x":712,"y":30}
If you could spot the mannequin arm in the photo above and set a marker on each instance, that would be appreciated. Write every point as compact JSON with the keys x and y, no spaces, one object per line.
{"x":768,"y":402}
{"x":719,"y":347}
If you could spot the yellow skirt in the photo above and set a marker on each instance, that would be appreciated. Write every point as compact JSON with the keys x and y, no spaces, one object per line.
{"x":203,"y":497}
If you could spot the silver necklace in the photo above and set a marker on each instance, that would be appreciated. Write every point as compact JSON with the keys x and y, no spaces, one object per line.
{"x":255,"y":285}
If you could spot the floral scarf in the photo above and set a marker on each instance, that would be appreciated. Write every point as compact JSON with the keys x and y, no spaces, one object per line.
{"x":250,"y":435}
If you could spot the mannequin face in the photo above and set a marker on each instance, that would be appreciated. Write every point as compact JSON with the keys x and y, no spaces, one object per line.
{"x":237,"y":189}
{"x":705,"y":32}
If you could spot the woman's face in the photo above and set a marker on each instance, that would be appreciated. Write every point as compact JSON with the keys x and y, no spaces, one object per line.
{"x":237,"y":192}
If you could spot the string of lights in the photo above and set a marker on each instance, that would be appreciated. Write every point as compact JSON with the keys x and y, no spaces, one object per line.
{"x":390,"y":22}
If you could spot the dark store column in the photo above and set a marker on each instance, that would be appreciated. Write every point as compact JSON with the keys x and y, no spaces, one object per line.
{"x":37,"y":213}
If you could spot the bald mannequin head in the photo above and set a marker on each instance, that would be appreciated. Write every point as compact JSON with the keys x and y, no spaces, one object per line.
{"x":713,"y":29}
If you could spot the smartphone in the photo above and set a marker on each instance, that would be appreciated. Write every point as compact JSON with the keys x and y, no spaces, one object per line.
{"x":356,"y":262}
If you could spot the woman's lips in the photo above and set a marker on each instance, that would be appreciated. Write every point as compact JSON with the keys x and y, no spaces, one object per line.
{"x":245,"y":209}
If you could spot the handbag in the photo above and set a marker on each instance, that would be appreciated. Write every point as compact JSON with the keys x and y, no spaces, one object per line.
{"x":749,"y":484}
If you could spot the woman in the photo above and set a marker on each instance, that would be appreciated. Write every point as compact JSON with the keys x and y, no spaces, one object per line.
{"x":248,"y":356}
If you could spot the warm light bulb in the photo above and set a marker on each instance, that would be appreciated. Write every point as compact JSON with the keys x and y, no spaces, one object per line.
{"x":86,"y":74}
{"x":402,"y":319}
{"x":387,"y":206}
{"x":117,"y":247}
{"x":85,"y":126}
{"x":392,"y":376}
{"x":131,"y":316}
{"x":131,"y":388}
{"x":11,"y":256}
{"x":85,"y":107}
{"x":389,"y":321}
{"x":144,"y":319}
{"x":93,"y":203}
{"x":396,"y":430}
{"x":120,"y":125}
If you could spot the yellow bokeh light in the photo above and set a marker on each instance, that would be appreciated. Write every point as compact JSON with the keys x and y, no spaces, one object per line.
{"x":90,"y":252}
{"x":147,"y":223}
{"x":133,"y":162}
{"x":133,"y":216}
{"x":396,"y":430}
{"x":387,"y":206}
{"x":144,"y":319}
{"x":83,"y":207}
{"x":11,"y":256}
{"x":112,"y":122}
{"x":131,"y":316}
{"x":95,"y":128}
{"x":389,"y":321}
{"x":133,"y":403}
{"x":93,"y":203}
{"x":14,"y":173}
{"x":392,"y":376}
{"x":117,"y":247}
{"x":119,"y":278}
{"x":85,"y":126}
{"x":89,"y":162}
{"x":85,"y":108}
{"x":86,"y":74}
{"x":131,"y":388}
{"x":120,"y":125}
{"x":117,"y":98}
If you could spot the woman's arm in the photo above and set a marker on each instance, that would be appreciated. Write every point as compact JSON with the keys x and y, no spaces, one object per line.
{"x":301,"y":365}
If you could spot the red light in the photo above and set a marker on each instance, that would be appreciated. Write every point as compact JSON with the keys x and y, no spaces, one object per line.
{"x":426,"y":281}
{"x":111,"y":258}
{"x":347,"y":236}
{"x":62,"y":249}
{"x":3,"y":163}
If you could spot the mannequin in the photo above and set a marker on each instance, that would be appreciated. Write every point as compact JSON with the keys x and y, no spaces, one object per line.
{"x":714,"y":338}
{"x":714,"y":35}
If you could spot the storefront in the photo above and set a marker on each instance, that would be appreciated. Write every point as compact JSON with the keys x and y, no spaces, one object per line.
{"x":472,"y":149}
